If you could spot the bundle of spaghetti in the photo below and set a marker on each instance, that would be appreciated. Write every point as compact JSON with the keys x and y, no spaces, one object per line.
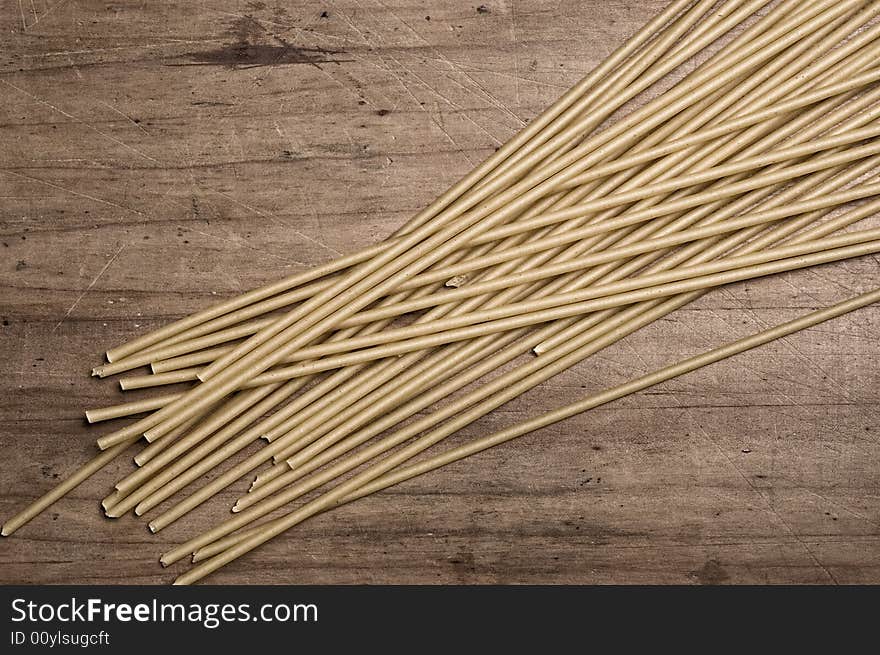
{"x":727,"y":140}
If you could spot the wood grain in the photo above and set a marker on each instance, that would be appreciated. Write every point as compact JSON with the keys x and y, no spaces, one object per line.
{"x":155,"y":157}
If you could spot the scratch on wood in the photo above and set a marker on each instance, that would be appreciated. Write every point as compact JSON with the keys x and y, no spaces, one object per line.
{"x":272,"y":217}
{"x":768,"y":504}
{"x":37,"y":19}
{"x":123,"y":114}
{"x":89,"y":288}
{"x":72,"y":192}
{"x":81,"y":122}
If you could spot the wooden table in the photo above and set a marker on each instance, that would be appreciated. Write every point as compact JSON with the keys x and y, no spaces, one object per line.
{"x":159,"y":156}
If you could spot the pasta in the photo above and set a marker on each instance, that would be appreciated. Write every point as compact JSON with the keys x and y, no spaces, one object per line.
{"x":582,"y":229}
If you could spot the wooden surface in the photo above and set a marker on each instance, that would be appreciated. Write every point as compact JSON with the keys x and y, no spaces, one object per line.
{"x":157,"y":156}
